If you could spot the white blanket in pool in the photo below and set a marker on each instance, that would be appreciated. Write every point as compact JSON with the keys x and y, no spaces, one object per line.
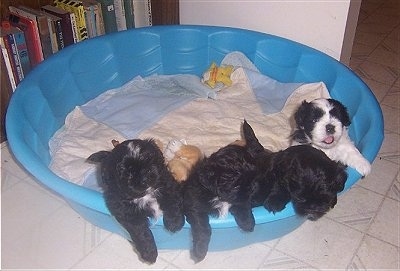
{"x":207,"y":123}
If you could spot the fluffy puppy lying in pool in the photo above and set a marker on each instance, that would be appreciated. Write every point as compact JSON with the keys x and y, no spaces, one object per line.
{"x":323,"y":123}
{"x":239,"y":177}
{"x":137,"y":186}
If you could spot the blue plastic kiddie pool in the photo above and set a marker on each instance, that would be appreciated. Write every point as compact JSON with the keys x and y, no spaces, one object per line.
{"x":81,"y":72}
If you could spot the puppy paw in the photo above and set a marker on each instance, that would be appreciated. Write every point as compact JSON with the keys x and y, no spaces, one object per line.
{"x":199,"y":252}
{"x":274,"y":206}
{"x":247,"y":225}
{"x":363,"y":167}
{"x":174,"y":223}
{"x":149,"y":255}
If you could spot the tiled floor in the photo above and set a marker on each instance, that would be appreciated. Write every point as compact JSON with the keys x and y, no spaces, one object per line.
{"x":40,"y":231}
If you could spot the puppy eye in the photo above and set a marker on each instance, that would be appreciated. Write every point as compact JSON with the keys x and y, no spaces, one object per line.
{"x":314,"y":120}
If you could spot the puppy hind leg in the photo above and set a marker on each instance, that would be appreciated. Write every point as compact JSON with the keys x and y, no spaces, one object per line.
{"x":143,"y":240}
{"x":201,"y":234}
{"x":244,"y":217}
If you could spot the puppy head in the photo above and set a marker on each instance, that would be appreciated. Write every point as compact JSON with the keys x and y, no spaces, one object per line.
{"x":132,"y":167}
{"x":320,"y":122}
{"x":315,"y":182}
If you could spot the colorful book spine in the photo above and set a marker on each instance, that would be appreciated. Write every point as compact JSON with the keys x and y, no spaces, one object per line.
{"x":15,"y":57}
{"x":8,"y":62}
{"x":43,"y":26}
{"x":66,"y":23}
{"x":22,"y":49}
{"x":77,"y":8}
{"x":31,"y":34}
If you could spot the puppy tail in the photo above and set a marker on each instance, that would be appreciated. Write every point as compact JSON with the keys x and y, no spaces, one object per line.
{"x":252,"y":143}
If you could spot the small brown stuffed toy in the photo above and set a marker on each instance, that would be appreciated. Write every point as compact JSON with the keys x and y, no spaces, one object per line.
{"x":181,"y":157}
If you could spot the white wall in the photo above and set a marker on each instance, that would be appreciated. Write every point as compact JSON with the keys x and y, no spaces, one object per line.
{"x":316,"y":23}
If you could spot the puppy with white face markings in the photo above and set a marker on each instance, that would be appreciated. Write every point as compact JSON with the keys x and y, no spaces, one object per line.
{"x":324,"y":123}
{"x":137,"y":187}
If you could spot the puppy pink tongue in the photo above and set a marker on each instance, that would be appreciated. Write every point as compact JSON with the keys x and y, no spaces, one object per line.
{"x":329,"y":140}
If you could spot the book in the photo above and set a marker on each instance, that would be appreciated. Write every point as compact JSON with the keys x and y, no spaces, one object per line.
{"x":7,"y":62}
{"x":97,"y":17}
{"x":67,"y":18}
{"x":14,"y":57}
{"x":31,"y":35}
{"x":75,"y":7}
{"x":119,"y":7}
{"x":90,"y":18}
{"x":110,"y":23}
{"x":22,"y":50}
{"x":42,"y":24}
{"x":142,"y":13}
{"x":55,"y":27}
{"x":129,"y":14}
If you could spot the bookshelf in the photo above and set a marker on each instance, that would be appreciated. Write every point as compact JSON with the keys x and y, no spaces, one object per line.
{"x":164,"y":12}
{"x":6,"y":90}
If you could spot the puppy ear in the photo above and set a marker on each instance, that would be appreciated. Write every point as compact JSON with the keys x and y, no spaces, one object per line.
{"x":340,"y":112}
{"x":98,"y":156}
{"x":300,"y":114}
{"x":252,"y":143}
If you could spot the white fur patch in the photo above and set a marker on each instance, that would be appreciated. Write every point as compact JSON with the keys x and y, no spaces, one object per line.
{"x":221,"y":206}
{"x":134,"y":149}
{"x":319,"y":133}
{"x":149,"y":201}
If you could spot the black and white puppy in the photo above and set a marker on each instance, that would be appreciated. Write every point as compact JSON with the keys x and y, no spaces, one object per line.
{"x":137,"y":186}
{"x":218,"y":184}
{"x":323,"y":123}
{"x":239,"y":177}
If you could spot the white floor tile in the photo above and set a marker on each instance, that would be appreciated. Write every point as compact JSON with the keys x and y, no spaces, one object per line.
{"x":322,"y":244}
{"x":356,"y":208}
{"x":374,"y":254}
{"x":386,"y":225}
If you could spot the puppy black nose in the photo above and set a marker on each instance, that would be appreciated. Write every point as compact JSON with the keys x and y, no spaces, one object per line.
{"x":330,"y":129}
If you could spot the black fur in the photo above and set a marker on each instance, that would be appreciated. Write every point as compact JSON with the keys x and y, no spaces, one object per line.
{"x":225,"y":176}
{"x":132,"y":170}
{"x":300,"y":174}
{"x":249,"y":176}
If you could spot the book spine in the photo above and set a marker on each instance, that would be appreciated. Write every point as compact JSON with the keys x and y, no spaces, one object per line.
{"x":129,"y":14}
{"x":33,"y":29}
{"x":74,"y":27}
{"x":7,"y":61}
{"x":67,"y":29}
{"x":99,"y":20}
{"x":110,"y":23}
{"x":53,"y":35}
{"x":59,"y":34}
{"x":22,"y":50}
{"x":15,"y":62}
{"x":45,"y":38}
{"x":77,"y":8}
{"x":120,"y":15}
{"x":93,"y":21}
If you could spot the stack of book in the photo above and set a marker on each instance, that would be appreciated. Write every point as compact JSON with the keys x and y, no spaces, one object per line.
{"x":32,"y":35}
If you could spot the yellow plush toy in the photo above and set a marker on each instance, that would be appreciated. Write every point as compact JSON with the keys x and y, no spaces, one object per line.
{"x":215,"y":75}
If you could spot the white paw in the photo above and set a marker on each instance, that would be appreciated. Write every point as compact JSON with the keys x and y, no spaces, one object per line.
{"x":363,"y":167}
